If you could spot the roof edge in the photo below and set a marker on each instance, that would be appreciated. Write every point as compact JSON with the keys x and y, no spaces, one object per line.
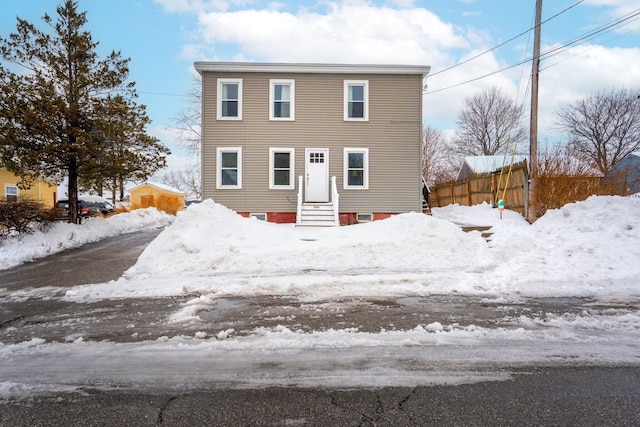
{"x":265,"y":67}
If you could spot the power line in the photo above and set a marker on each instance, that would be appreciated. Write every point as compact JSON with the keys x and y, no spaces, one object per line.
{"x":592,"y":47}
{"x":504,"y":43}
{"x":555,"y":50}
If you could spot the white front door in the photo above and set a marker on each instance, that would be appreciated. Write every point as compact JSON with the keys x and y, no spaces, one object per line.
{"x":317,"y":175}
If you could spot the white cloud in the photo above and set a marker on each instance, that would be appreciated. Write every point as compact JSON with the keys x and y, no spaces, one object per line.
{"x":168,"y":136}
{"x":618,"y":7}
{"x":347,"y":33}
{"x":582,"y":72}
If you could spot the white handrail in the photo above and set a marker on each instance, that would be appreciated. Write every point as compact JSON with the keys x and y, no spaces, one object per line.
{"x":335,"y":199}
{"x":299,"y":213}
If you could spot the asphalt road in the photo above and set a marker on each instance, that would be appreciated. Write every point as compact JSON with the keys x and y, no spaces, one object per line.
{"x":561,"y":396}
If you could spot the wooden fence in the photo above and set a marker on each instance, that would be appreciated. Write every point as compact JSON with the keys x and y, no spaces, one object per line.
{"x":481,"y":188}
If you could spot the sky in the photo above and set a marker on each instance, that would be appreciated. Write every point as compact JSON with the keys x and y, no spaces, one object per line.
{"x":566,"y":254}
{"x":164,"y":37}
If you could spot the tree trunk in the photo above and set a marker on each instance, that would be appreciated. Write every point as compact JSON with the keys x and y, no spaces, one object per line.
{"x":74,"y":218}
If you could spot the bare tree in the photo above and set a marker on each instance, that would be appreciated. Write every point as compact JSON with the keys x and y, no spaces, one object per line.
{"x":438,"y":163}
{"x":186,"y":180}
{"x":188,"y":119}
{"x":604,"y":128}
{"x":487,"y":121}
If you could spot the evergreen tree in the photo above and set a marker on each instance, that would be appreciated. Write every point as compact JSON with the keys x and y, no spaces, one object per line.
{"x":53,"y":106}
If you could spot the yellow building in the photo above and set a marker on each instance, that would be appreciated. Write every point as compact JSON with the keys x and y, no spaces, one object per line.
{"x":160,"y":196}
{"x":44,"y":192}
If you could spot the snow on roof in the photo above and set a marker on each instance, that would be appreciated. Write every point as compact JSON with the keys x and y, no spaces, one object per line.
{"x":158,"y":186}
{"x":486,"y":164}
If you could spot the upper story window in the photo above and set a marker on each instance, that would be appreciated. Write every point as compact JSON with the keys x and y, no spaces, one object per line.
{"x":229,"y":99}
{"x":229,"y":167}
{"x":356,"y":168}
{"x":281,"y":168}
{"x":11,"y":193}
{"x":282,"y":99}
{"x":356,"y":100}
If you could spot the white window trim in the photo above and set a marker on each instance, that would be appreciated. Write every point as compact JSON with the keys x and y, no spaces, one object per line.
{"x":364,"y":83}
{"x":292,"y":100}
{"x":6,"y":191}
{"x":219,"y":152}
{"x":292,"y":164}
{"x":365,"y":179}
{"x":219,"y":101}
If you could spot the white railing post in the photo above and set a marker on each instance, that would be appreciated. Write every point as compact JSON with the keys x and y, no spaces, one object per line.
{"x":335,"y":199}
{"x":299,"y":212}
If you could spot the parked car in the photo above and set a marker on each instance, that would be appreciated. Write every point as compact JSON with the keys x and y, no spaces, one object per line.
{"x":105,"y":208}
{"x":85,"y":209}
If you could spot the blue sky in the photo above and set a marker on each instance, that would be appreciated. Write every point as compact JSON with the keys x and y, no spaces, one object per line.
{"x":164,"y":37}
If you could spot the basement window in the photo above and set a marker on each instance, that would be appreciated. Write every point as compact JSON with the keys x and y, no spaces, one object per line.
{"x":258,"y":216}
{"x":364,"y":217}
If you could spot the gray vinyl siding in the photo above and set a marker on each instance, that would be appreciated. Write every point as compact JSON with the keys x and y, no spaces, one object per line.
{"x":392,"y":135}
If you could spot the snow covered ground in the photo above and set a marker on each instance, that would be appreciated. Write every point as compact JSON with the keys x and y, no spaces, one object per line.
{"x":587,"y":249}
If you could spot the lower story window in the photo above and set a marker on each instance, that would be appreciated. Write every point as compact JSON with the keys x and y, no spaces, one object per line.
{"x":356,"y":168}
{"x":11,"y":193}
{"x":281,"y":168}
{"x":229,"y":167}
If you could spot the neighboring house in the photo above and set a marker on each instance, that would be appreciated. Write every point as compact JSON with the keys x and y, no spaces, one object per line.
{"x":153,"y":194}
{"x":302,"y":142}
{"x":625,"y":176}
{"x":473,"y":165}
{"x":41,"y":191}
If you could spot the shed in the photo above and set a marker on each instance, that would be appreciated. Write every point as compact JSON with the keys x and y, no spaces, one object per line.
{"x":625,"y":176}
{"x":473,"y":165}
{"x":160,"y":196}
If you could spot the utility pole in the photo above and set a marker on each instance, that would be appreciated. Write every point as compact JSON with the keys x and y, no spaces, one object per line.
{"x":533,"y":126}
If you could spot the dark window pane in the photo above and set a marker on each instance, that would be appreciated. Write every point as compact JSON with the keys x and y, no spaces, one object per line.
{"x":356,"y":177}
{"x":356,"y":109}
{"x":281,"y":109}
{"x":281,"y":177}
{"x":281,"y":160}
{"x":356,"y":160}
{"x":229,"y":108}
{"x":229,"y":160}
{"x":230,"y":177}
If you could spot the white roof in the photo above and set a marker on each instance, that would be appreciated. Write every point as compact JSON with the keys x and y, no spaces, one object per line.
{"x":486,"y":164}
{"x":158,"y":186}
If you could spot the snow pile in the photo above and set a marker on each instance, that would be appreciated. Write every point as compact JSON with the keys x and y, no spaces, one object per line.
{"x":588,"y":246}
{"x":209,"y":237}
{"x":62,"y":235}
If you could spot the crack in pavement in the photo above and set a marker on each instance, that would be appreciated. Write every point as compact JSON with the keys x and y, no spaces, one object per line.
{"x":163,"y":407}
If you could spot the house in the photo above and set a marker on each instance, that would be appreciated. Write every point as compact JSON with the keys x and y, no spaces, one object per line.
{"x":312,"y":143}
{"x":160,"y":196}
{"x":474,"y":165}
{"x":625,"y":176}
{"x":42,"y":191}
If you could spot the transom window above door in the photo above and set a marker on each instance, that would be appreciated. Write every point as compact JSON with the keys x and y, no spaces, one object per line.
{"x":356,"y":100}
{"x":229,"y":103}
{"x":282,"y":99}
